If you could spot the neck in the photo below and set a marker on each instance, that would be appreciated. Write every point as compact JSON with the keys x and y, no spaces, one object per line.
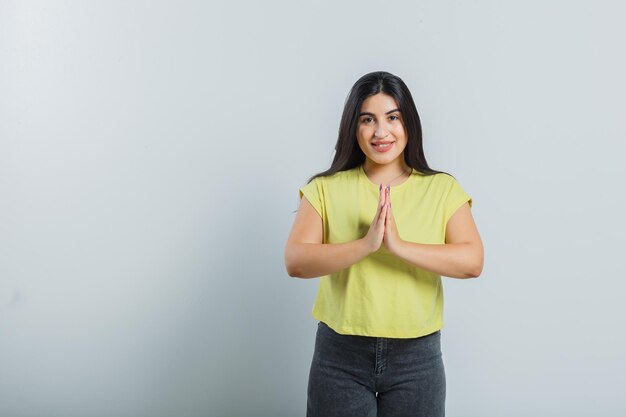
{"x":393,"y":172}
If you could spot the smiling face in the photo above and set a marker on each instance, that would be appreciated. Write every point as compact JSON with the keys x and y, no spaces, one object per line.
{"x":380,"y":131}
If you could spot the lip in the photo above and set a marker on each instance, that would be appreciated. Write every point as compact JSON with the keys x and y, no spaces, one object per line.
{"x":382,"y":150}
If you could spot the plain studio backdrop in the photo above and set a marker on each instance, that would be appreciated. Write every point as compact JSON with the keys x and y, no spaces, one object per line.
{"x":150,"y":160}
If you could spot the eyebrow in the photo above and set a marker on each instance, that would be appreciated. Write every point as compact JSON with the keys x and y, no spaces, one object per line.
{"x":372,"y":114}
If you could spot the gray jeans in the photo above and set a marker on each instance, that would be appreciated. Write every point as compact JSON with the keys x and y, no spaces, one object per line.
{"x":362,"y":376}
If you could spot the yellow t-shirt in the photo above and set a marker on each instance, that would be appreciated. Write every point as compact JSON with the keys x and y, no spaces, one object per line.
{"x":382,"y":295}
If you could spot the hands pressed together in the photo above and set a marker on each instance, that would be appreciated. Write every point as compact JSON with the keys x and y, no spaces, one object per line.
{"x":383,"y":228}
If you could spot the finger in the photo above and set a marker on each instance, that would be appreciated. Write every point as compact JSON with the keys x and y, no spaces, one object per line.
{"x":388,"y":218}
{"x":383,"y":214}
{"x":381,"y":202}
{"x":388,"y":204}
{"x":387,"y":192}
{"x":382,"y":195}
{"x":383,"y":222}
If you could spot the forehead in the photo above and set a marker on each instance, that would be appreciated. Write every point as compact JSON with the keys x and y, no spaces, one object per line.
{"x":379,"y":103}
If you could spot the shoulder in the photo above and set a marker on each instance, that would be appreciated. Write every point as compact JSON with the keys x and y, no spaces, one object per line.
{"x":444,"y":177}
{"x":436,"y":186}
{"x":438,"y":180}
{"x":340,"y":177}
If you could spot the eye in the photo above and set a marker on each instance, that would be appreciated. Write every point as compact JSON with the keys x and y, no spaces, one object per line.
{"x":366,"y":119}
{"x":396,"y":117}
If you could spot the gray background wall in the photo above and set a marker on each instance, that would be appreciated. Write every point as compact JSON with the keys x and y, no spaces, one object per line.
{"x":150,"y":156}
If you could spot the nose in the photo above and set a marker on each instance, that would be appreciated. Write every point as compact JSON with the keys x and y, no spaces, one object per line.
{"x":380,"y":132}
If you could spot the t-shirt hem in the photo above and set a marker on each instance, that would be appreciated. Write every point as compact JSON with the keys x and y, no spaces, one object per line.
{"x":365,"y":331}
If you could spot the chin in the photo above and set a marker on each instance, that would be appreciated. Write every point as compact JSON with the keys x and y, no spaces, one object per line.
{"x":383,"y":160}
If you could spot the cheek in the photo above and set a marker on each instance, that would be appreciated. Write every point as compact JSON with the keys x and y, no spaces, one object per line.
{"x":362,"y":135}
{"x":359,"y":139}
{"x":401,"y":134}
{"x":399,"y":129}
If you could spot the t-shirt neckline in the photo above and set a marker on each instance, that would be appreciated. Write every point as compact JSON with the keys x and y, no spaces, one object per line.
{"x":376,"y":186}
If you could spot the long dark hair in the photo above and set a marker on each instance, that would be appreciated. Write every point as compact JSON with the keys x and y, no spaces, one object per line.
{"x":348,"y":154}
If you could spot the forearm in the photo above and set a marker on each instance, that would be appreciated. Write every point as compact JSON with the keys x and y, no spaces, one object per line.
{"x":311,"y":260}
{"x":455,"y":260}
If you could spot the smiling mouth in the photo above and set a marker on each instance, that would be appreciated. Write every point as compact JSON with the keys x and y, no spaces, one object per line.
{"x":381,"y":145}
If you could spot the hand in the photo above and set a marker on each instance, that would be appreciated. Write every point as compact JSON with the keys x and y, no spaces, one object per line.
{"x":376,"y":232}
{"x":391,"y":236}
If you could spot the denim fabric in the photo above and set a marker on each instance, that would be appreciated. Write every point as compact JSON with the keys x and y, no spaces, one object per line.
{"x":362,"y":376}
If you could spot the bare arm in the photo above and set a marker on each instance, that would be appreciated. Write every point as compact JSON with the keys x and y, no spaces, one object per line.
{"x":460,"y":257}
{"x":307,"y":257}
{"x":305,"y":254}
{"x":311,"y":260}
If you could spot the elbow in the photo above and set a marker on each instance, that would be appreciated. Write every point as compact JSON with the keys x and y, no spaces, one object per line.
{"x":476,"y":270}
{"x":291,"y":266}
{"x":295,"y":271}
{"x":476,"y":267}
{"x":292,"y":271}
{"x":474,"y":273}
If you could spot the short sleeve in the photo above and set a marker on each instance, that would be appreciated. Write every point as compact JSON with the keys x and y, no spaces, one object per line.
{"x":455,"y":198}
{"x":313,"y":193}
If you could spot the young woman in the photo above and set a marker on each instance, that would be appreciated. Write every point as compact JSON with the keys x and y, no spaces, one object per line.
{"x":380,"y":228}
